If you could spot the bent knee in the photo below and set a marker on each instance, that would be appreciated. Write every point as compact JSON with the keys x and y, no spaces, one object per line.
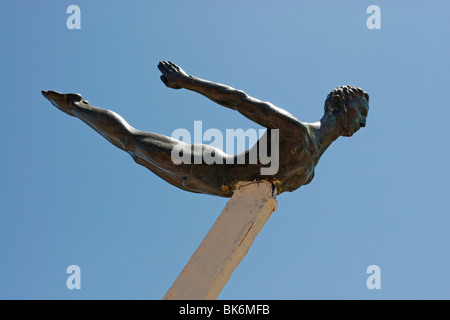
{"x":129,"y":138}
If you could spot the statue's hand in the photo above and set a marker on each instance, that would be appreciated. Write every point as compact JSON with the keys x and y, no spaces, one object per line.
{"x":172,"y":75}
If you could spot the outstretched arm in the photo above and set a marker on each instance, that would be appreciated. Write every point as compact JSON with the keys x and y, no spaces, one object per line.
{"x":261,"y":112}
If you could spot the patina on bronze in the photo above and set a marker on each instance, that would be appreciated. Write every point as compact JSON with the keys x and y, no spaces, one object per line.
{"x":300,"y":144}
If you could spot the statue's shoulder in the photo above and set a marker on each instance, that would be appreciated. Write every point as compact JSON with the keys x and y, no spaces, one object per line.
{"x":301,"y":129}
{"x":308,"y":137}
{"x":295,"y":131}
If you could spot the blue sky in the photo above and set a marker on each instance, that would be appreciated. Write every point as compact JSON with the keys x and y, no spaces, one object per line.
{"x":378,"y":198}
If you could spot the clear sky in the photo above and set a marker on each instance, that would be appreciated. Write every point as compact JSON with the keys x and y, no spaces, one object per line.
{"x":68,"y":197}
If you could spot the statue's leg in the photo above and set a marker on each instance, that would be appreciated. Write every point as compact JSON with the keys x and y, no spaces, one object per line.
{"x":154,"y":151}
{"x":108,"y":123}
{"x":153,"y":147}
{"x":151,"y":150}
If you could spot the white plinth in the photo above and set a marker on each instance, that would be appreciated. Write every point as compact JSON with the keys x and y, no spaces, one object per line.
{"x":226,"y":244}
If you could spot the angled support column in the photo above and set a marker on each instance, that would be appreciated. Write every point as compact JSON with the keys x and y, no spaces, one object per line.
{"x":226,"y":244}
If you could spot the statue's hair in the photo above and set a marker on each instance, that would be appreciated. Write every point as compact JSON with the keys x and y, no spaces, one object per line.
{"x":338,"y":98}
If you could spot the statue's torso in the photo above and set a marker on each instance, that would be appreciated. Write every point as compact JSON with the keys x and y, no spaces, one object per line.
{"x":296,"y":163}
{"x":298,"y":159}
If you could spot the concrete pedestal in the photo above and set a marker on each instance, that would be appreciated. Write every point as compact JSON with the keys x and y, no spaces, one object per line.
{"x":226,"y":244}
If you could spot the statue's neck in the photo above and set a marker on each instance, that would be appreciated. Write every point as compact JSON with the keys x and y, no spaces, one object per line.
{"x":324,"y":132}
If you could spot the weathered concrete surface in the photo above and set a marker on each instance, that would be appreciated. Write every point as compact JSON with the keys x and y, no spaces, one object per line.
{"x":226,"y":244}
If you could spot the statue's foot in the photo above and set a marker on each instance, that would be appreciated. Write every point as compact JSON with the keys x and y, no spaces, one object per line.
{"x":64,"y":102}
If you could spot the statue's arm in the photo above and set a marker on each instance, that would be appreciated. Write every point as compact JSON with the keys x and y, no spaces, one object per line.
{"x":261,"y":112}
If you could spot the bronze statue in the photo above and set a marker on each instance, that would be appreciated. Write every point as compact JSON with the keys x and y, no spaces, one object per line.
{"x":300,"y":144}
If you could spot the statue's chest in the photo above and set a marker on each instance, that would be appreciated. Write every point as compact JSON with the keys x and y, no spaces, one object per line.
{"x":297,"y":163}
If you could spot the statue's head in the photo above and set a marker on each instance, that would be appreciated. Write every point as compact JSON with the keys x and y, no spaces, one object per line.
{"x":350,"y":106}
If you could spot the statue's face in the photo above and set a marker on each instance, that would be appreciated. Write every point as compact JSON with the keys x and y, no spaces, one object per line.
{"x":355,"y":117}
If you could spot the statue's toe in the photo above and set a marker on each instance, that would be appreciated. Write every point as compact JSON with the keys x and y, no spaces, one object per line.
{"x":45,"y":93}
{"x":50,"y":94}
